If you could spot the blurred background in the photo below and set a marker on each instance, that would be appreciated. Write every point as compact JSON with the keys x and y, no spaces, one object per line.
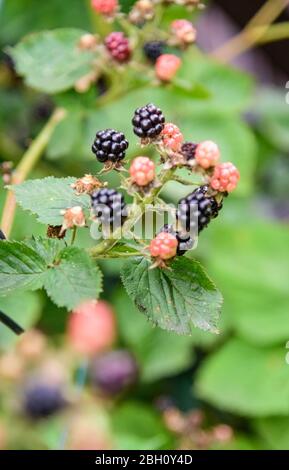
{"x":144,"y":388}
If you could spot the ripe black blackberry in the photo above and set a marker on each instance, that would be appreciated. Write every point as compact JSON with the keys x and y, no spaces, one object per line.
{"x":109,"y":145}
{"x":197,"y":209}
{"x":153,"y":49}
{"x":188,"y":149}
{"x":185,"y":241}
{"x":109,"y":207}
{"x":42,"y":400}
{"x":2,"y":236}
{"x":148,"y":121}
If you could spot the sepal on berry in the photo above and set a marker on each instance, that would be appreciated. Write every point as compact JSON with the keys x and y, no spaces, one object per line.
{"x":87,"y":184}
{"x":73,"y":217}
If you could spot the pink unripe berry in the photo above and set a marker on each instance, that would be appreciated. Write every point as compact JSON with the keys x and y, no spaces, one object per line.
{"x":105,"y":7}
{"x":118,"y":46}
{"x":225,"y":177}
{"x":183,"y":31}
{"x":172,"y":136}
{"x":92,"y":327}
{"x":142,"y":171}
{"x":163,"y":246}
{"x":207,"y":154}
{"x":167,"y":66}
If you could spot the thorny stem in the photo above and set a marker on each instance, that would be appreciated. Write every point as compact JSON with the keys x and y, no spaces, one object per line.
{"x":26,"y":164}
{"x":257,"y":28}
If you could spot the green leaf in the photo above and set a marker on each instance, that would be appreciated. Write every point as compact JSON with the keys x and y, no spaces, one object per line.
{"x":47,"y":197}
{"x":275,"y":431}
{"x":24,"y":308}
{"x":51,"y":61}
{"x":73,"y":279}
{"x":137,"y":426}
{"x":159,"y":353}
{"x":249,"y":260}
{"x":271,"y":108}
{"x":66,"y":137}
{"x":19,"y":17}
{"x":229,"y":88}
{"x":174,"y":299}
{"x":69,"y":276}
{"x":20,"y":267}
{"x":47,"y":248}
{"x":246,"y":380}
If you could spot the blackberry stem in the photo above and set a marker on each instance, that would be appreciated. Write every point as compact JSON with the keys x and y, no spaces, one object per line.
{"x":26,"y":164}
{"x":137,"y":210}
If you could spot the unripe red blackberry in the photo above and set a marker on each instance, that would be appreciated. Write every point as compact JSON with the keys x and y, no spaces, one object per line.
{"x":188,"y":149}
{"x":148,"y":121}
{"x":105,"y":7}
{"x":225,"y":177}
{"x":164,"y":246}
{"x":118,"y":46}
{"x":108,"y":207}
{"x":142,"y":171}
{"x":184,"y":32}
{"x":142,"y":11}
{"x":172,"y":137}
{"x":167,"y":66}
{"x":42,"y":400}
{"x":114,"y":372}
{"x":196,"y":210}
{"x":109,"y":145}
{"x":153,"y":49}
{"x":185,"y":242}
{"x":92,"y":327}
{"x":207,"y":154}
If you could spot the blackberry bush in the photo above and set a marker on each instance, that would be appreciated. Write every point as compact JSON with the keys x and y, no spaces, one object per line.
{"x":94,"y":203}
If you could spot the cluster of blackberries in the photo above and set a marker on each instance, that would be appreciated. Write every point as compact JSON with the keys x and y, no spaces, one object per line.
{"x":196,"y":210}
{"x":42,"y":400}
{"x":108,"y":207}
{"x":109,"y":145}
{"x":148,"y":121}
